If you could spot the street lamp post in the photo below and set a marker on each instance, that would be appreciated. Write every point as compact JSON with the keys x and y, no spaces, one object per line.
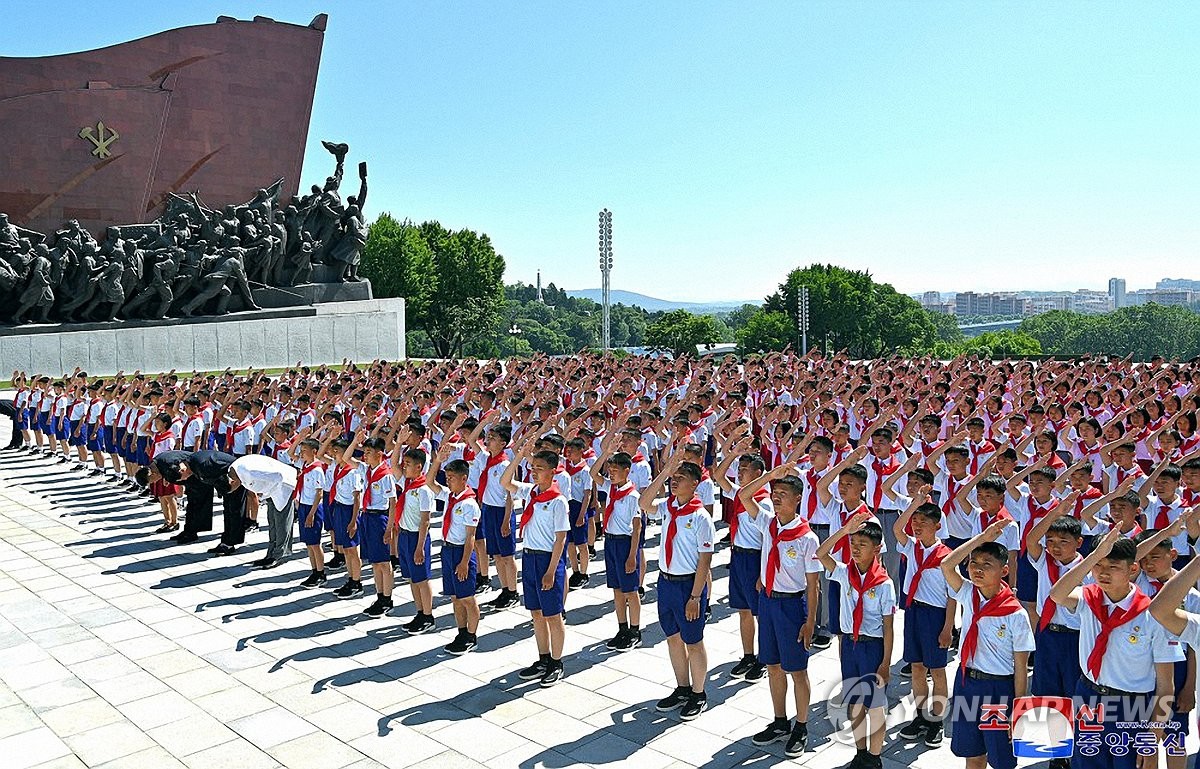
{"x":606,"y":263}
{"x":513,"y":332}
{"x":802,"y":318}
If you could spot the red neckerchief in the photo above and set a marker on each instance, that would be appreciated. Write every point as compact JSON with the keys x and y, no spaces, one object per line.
{"x":1053,"y":570}
{"x":93,"y":402}
{"x":537,"y":499}
{"x":339,"y":472}
{"x":779,"y":536}
{"x":373,"y":475}
{"x":165,"y":434}
{"x":1089,"y":494}
{"x":843,"y":547}
{"x":923,"y":561}
{"x":813,"y":477}
{"x":300,"y":478}
{"x":639,"y":457}
{"x":882,"y":471}
{"x":675,"y":513}
{"x":615,"y":496}
{"x":984,"y":447}
{"x":239,"y":427}
{"x":449,"y":516}
{"x":573,"y":469}
{"x":281,"y":447}
{"x":860,"y":584}
{"x":492,"y":461}
{"x":468,"y":452}
{"x":1163,"y":520}
{"x":1109,"y":621}
{"x":1036,"y":513}
{"x":736,"y":508}
{"x":952,"y":485}
{"x":1001,"y":604}
{"x":1122,"y":474}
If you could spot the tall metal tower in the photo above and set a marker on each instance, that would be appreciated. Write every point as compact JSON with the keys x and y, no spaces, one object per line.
{"x":606,"y":263}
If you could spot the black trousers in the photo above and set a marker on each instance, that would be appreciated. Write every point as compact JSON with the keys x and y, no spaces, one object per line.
{"x":235,"y":510}
{"x":9,"y":409}
{"x":198,"y":514}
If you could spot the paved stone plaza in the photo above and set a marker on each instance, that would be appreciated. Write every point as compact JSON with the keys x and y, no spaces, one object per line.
{"x":118,"y":649}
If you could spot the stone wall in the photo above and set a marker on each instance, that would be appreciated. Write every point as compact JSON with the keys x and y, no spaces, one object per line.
{"x":361,"y":331}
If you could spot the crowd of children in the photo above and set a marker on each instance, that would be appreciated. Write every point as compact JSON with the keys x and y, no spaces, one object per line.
{"x":1038,"y":518}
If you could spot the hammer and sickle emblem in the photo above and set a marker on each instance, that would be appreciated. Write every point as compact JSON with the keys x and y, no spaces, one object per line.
{"x":100,"y":138}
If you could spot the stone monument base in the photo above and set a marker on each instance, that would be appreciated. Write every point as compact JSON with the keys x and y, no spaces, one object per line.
{"x":316,"y":334}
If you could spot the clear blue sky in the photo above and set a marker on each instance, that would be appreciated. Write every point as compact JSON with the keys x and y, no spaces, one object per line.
{"x":953,"y":145}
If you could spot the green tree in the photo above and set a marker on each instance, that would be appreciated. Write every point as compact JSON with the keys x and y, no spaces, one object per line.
{"x":398,"y":262}
{"x":766,"y":331}
{"x":1000,"y":344}
{"x":681,"y":332}
{"x":468,"y":288}
{"x":852,"y":311}
{"x":946,"y":327}
{"x":1143,"y":332}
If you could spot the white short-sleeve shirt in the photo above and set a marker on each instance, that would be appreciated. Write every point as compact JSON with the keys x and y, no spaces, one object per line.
{"x":463,"y":515}
{"x":1000,"y":638}
{"x":416,"y":501}
{"x":797,"y":557}
{"x":1133,"y":648}
{"x":694,"y":534}
{"x":312,"y":481}
{"x":549,"y":518}
{"x":624,"y":510}
{"x":343,"y":489}
{"x":879,"y":602}
{"x":932,"y":589}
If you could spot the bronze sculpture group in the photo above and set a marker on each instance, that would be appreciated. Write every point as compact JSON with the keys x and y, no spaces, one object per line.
{"x":191,"y":260}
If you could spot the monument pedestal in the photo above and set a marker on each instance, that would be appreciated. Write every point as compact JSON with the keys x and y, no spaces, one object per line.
{"x":269,"y":338}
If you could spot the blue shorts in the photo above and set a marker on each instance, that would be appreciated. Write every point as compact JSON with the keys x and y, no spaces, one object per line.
{"x":62,"y":429}
{"x":1122,"y":716}
{"x":1027,"y":579}
{"x":616,"y":552}
{"x":451,"y":585}
{"x":743,"y":579}
{"x":340,"y":515}
{"x":922,"y":625}
{"x":110,"y":440}
{"x":311,"y":535}
{"x":1180,"y":719}
{"x":672,"y":606}
{"x":834,"y":596}
{"x":780,"y":621}
{"x":373,"y":526}
{"x":860,"y":662}
{"x":406,"y":550}
{"x":96,"y":438}
{"x":43,"y":423}
{"x":497,"y":544}
{"x":534,"y":565}
{"x":967,"y":740}
{"x":23,"y":419}
{"x":578,"y":535}
{"x":1057,"y":670}
{"x":141,"y":457}
{"x":81,"y":437}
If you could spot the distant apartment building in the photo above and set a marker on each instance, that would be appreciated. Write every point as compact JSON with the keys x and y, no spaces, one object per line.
{"x":1040,"y":304}
{"x":1116,"y":292}
{"x":971,"y":303}
{"x":1178,"y":283}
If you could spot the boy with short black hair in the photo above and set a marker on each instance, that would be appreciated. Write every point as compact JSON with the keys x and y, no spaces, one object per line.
{"x":311,"y":483}
{"x":345,"y":480}
{"x":684,"y":563}
{"x":579,"y":497}
{"x":622,"y":527}
{"x":1127,"y":656}
{"x":459,"y":523}
{"x":788,"y":585}
{"x":413,"y":547}
{"x":929,"y":613}
{"x":868,"y":604}
{"x":996,"y":642}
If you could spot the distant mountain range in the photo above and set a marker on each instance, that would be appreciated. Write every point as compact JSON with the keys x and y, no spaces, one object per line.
{"x":651,"y":304}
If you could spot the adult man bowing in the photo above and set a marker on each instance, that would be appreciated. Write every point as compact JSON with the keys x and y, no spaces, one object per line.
{"x":276,"y":481}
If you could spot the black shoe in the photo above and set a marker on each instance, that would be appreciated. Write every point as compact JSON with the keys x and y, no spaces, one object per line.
{"x":249,"y":525}
{"x":935,"y":730}
{"x":743,"y":667}
{"x":337,"y":563}
{"x":482,"y":584}
{"x":631,"y":640}
{"x":165,"y":528}
{"x":906,"y":671}
{"x":418,"y":624}
{"x":222,"y":550}
{"x":554,"y":673}
{"x":695,"y":705}
{"x":96,"y":471}
{"x":512,"y":600}
{"x":395,"y":562}
{"x":869,"y":761}
{"x":186,"y":538}
{"x":821,"y":642}
{"x":350,"y":589}
{"x":592,"y":550}
{"x":798,"y":741}
{"x":313,"y":580}
{"x":270,"y":563}
{"x":576,"y":580}
{"x":756,"y":672}
{"x":675,"y":699}
{"x":777,"y":730}
{"x":261,"y":561}
{"x":616,"y":640}
{"x":641,"y":592}
{"x":536,"y":670}
{"x":381,"y":607}
{"x":914,"y":729}
{"x":460,"y":645}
